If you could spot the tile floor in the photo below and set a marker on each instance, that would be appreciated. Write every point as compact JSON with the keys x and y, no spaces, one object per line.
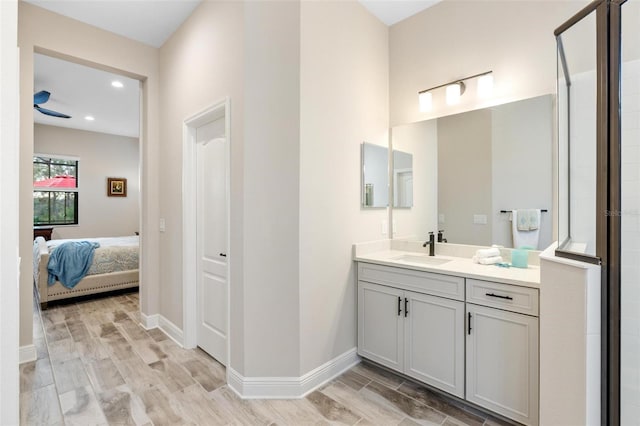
{"x":96,"y":366}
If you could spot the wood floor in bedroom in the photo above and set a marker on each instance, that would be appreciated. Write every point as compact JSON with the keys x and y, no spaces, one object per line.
{"x":97,"y":365}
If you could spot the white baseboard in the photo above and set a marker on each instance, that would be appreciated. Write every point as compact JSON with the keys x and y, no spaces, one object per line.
{"x":290,"y":387}
{"x":174,"y":332}
{"x":149,"y":321}
{"x":170,"y":329}
{"x":27,"y":354}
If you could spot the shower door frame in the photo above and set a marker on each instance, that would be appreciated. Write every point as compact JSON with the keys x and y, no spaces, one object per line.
{"x":608,"y":193}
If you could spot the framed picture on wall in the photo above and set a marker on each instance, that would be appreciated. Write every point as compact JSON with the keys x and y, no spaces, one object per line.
{"x":116,"y":187}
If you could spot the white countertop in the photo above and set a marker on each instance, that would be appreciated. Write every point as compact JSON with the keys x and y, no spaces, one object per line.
{"x":458,"y":266}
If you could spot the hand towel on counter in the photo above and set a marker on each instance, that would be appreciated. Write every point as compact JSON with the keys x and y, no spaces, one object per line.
{"x":529,"y":237}
{"x":487,"y":260}
{"x":527,"y":219}
{"x":490,"y":252}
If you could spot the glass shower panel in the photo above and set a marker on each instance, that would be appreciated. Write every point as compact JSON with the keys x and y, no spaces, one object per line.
{"x":630,"y":216}
{"x":577,"y":137}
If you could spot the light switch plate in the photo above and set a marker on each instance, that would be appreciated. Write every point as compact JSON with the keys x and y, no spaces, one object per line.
{"x":162,"y":225}
{"x":480,"y":219}
{"x":384,"y":226}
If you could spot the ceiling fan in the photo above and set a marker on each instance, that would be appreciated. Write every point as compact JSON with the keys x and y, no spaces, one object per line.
{"x":42,"y":97}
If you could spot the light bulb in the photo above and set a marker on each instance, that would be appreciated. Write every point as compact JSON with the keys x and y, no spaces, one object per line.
{"x":485,"y":86}
{"x":453,"y":93}
{"x":425,"y":99}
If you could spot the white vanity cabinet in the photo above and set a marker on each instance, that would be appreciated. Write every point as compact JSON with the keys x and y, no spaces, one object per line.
{"x":502,"y":349}
{"x":475,"y":339}
{"x":405,"y":325}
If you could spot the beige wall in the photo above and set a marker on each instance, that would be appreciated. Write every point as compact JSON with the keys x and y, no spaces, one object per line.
{"x":421,"y":140}
{"x":458,"y":38}
{"x":522,"y":166}
{"x":101,"y":155}
{"x":464,"y":176}
{"x":201,"y":64}
{"x":272,"y":188}
{"x":344,"y":98}
{"x":54,"y":34}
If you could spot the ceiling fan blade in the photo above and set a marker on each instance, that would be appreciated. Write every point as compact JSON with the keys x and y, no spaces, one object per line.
{"x":51,"y":113}
{"x":41,"y":97}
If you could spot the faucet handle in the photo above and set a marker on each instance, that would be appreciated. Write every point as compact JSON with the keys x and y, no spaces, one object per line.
{"x":430,"y":232}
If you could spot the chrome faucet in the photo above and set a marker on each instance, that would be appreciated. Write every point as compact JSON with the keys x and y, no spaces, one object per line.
{"x":432,"y":244}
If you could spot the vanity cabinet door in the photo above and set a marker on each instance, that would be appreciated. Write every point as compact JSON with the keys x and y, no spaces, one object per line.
{"x":502,"y":362}
{"x":434,"y":341}
{"x":380,"y":324}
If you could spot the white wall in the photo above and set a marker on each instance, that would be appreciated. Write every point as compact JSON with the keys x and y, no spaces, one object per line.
{"x":455,"y":39}
{"x":343,"y":102}
{"x":9,"y":273}
{"x":68,"y":39}
{"x":630,"y":244}
{"x":101,"y":156}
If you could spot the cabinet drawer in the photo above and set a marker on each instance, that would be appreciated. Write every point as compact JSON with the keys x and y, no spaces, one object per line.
{"x":503,"y":296}
{"x":408,"y":279}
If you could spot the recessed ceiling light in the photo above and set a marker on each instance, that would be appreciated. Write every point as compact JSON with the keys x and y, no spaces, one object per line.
{"x":118,"y":84}
{"x":89,"y":117}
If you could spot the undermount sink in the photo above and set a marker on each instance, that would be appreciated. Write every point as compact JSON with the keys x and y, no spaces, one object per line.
{"x":426,"y":260}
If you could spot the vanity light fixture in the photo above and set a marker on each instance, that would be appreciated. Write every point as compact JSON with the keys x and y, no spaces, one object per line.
{"x":455,"y":89}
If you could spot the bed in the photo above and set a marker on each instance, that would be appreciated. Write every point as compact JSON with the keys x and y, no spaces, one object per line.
{"x":114,"y":267}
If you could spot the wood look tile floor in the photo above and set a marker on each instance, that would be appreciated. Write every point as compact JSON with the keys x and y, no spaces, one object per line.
{"x":97,"y":366}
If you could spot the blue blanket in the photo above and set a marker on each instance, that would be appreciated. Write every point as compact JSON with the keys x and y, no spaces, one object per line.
{"x":69,"y":262}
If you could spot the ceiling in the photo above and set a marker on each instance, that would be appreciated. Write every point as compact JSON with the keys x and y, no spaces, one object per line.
{"x":79,"y":91}
{"x":394,"y":11}
{"x":148,"y":21}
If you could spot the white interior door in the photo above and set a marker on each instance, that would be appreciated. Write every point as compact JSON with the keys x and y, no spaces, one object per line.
{"x":211,"y":240}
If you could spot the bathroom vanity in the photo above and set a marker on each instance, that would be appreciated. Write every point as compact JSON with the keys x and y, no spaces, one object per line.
{"x":467,"y":329}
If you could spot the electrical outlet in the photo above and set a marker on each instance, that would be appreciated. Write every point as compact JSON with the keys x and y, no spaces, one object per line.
{"x":162,"y":225}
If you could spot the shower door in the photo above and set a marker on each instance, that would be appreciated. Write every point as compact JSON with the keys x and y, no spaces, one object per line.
{"x":599,"y":182}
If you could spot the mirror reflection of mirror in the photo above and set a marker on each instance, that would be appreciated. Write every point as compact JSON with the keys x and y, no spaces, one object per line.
{"x":375,"y":176}
{"x":470,"y":166}
{"x":402,"y":179}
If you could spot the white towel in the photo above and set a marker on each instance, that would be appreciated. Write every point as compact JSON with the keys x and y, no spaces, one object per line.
{"x":487,"y":260}
{"x":528,"y":219}
{"x":525,"y":238}
{"x":490,"y":252}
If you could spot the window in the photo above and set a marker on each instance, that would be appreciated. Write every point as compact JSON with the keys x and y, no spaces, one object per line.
{"x":55,"y":190}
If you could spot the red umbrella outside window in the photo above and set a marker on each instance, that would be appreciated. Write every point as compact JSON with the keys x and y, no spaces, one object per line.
{"x":60,"y":181}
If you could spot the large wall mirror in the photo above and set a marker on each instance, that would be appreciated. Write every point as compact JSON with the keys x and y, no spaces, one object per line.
{"x":468,"y":168}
